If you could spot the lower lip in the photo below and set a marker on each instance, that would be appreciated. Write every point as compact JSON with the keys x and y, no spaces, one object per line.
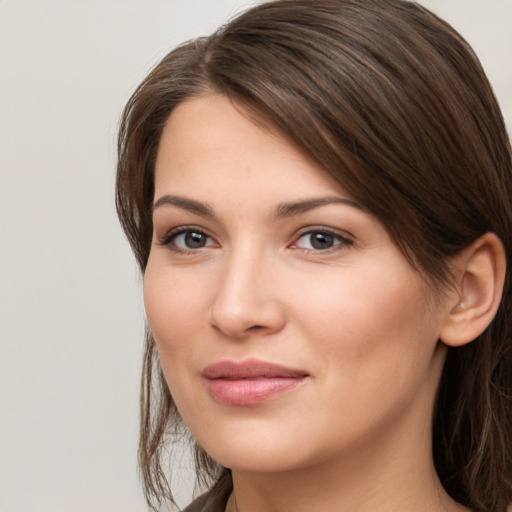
{"x":250,"y":391}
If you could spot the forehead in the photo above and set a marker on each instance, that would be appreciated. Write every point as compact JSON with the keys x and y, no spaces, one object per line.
{"x":209,"y":141}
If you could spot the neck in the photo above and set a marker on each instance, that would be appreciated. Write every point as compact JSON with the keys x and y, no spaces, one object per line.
{"x":362,"y":486}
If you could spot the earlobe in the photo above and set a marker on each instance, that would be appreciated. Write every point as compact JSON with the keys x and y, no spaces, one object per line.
{"x":480,"y":275}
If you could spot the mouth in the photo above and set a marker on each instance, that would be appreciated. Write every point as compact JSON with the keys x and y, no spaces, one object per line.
{"x":250,"y":382}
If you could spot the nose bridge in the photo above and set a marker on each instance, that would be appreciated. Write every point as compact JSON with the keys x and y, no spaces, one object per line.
{"x":245,"y":300}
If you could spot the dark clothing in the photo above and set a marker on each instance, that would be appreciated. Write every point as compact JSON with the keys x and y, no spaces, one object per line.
{"x":214,"y":500}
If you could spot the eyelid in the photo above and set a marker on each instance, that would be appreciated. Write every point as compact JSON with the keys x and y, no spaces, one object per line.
{"x":169,"y":236}
{"x":345,"y":238}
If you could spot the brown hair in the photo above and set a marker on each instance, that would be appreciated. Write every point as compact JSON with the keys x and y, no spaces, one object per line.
{"x":391,"y":101}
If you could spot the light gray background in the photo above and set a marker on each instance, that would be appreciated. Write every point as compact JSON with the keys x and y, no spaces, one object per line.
{"x":71,"y":308}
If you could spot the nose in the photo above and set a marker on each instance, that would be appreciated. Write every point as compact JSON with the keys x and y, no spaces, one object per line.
{"x":247,"y":302}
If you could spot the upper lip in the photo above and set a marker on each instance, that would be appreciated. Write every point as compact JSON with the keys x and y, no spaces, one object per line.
{"x":250,"y":369}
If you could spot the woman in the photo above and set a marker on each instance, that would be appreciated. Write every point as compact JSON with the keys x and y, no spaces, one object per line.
{"x":318,"y":196}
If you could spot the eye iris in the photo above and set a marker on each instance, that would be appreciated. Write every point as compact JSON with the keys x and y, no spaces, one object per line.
{"x":321,"y":240}
{"x":194,"y":240}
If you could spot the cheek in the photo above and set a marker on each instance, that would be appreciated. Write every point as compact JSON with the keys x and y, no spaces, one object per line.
{"x":172,"y":309}
{"x":373,"y":347}
{"x":173,"y":306}
{"x":372,"y":323}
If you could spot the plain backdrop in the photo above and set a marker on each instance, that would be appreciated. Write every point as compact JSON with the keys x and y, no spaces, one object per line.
{"x":71,"y":308}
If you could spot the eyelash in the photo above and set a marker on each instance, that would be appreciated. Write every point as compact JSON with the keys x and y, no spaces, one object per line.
{"x":342,"y":241}
{"x":171,"y":236}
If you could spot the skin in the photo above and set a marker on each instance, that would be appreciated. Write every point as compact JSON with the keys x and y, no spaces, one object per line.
{"x":355,"y":434}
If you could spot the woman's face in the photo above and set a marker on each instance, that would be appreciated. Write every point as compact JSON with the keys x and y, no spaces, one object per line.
{"x":291,"y":329}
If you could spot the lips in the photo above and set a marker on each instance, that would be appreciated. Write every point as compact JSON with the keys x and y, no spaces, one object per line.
{"x":250,"y":382}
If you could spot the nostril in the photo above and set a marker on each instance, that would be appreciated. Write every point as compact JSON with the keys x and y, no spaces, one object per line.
{"x":256,"y":328}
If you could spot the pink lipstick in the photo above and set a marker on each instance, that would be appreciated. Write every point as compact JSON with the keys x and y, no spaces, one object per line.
{"x":249,"y":382}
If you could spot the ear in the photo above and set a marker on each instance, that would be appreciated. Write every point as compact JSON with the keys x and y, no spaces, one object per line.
{"x":479,"y":274}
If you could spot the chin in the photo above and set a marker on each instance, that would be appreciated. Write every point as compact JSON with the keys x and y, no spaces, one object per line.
{"x":252,"y":448}
{"x":256,"y":459}
{"x":259,"y":448}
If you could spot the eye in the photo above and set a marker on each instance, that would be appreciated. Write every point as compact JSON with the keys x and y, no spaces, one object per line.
{"x":320,"y":240}
{"x":187,"y":239}
{"x":191,"y":240}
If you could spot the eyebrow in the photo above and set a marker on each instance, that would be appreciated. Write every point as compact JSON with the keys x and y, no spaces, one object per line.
{"x":186,"y":204}
{"x":298,"y":207}
{"x":288,"y":209}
